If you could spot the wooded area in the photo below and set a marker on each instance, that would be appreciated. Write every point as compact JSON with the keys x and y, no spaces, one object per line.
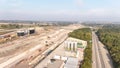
{"x":84,"y":34}
{"x":109,"y":35}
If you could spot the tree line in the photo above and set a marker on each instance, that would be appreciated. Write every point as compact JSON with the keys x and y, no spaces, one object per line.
{"x":84,"y":34}
{"x":109,"y":35}
{"x":14,"y":26}
{"x":10,"y":26}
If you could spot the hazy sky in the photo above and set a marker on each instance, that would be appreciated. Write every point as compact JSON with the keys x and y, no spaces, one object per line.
{"x":70,"y":10}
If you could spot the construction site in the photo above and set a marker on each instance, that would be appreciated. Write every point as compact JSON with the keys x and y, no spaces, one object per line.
{"x":26,"y":47}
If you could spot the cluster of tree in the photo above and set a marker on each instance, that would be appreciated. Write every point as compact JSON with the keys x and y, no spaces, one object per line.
{"x":10,"y":26}
{"x":4,"y":32}
{"x":84,"y":34}
{"x":14,"y":26}
{"x":92,"y":24}
{"x":109,"y":35}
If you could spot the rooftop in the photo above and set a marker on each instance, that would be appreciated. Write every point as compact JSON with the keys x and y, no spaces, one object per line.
{"x":75,"y":40}
{"x":55,"y":64}
{"x":71,"y":63}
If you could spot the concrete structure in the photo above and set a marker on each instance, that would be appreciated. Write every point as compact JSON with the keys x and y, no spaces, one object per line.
{"x":56,"y":64}
{"x":73,"y":44}
{"x":63,"y":62}
{"x":57,"y":57}
{"x":20,"y":33}
{"x":31,"y":30}
{"x":71,"y":63}
{"x":25,"y":32}
{"x":60,"y":57}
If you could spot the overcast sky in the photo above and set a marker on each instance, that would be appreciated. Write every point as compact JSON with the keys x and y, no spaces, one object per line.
{"x":54,"y":10}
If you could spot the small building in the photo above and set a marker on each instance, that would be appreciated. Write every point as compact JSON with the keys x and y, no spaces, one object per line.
{"x":31,"y":30}
{"x":57,"y":57}
{"x":72,"y":44}
{"x":75,"y":46}
{"x":20,"y":33}
{"x":71,"y":63}
{"x":60,"y":57}
{"x":23,"y":32}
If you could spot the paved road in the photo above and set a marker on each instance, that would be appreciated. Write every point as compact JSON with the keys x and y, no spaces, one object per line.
{"x":100,"y":57}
